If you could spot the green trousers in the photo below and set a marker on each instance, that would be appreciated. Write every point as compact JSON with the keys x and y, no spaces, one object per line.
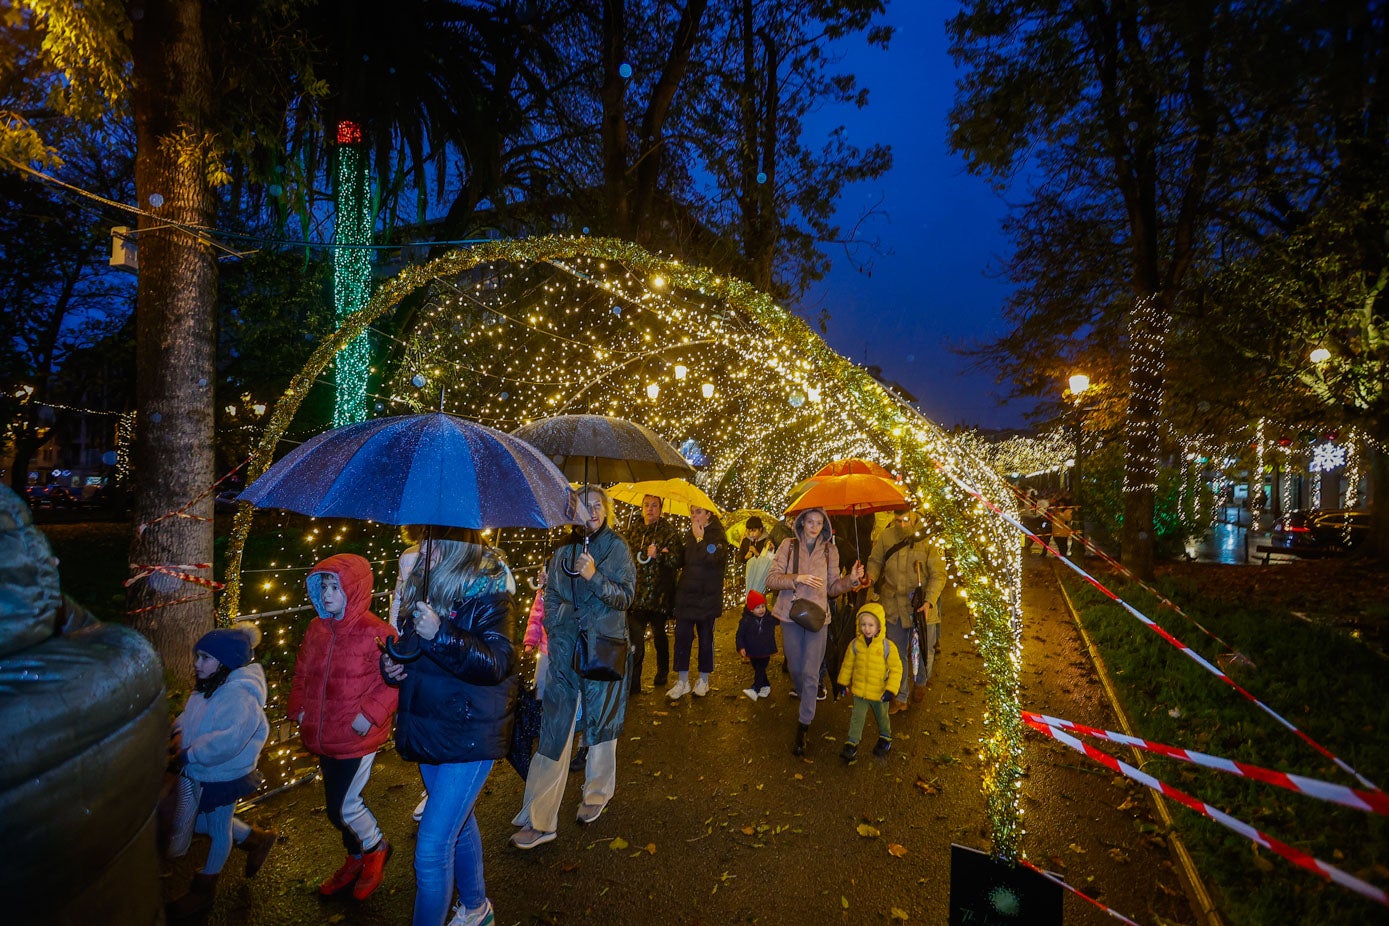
{"x":861,"y":708}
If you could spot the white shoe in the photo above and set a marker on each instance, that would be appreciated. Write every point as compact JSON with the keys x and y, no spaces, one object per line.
{"x":751,"y":693}
{"x":588,"y":813}
{"x":482,"y":916}
{"x":765,"y":691}
{"x":678,"y":691}
{"x":419,"y":808}
{"x":701,"y":688}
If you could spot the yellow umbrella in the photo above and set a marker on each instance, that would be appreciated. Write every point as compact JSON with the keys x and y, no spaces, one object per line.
{"x":677,"y":494}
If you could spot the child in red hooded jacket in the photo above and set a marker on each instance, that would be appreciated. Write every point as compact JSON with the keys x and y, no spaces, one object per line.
{"x":344,"y":709}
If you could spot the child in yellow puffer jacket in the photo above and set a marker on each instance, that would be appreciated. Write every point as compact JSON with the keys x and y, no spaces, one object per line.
{"x":872,"y":670}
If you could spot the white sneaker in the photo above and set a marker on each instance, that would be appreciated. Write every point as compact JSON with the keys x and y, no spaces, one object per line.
{"x":419,"y":808}
{"x":482,"y":916}
{"x":701,"y":688}
{"x":765,"y":691}
{"x":678,"y":691}
{"x":751,"y":693}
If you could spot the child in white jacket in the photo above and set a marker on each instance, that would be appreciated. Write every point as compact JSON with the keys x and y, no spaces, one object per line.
{"x":219,"y":737}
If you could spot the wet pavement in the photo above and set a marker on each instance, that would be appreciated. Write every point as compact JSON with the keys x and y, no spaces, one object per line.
{"x":714,"y":820}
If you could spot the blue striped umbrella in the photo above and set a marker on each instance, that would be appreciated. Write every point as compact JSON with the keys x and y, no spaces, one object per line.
{"x":435,"y":469}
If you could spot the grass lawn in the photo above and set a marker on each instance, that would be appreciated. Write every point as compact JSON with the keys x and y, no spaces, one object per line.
{"x":1314,"y":633}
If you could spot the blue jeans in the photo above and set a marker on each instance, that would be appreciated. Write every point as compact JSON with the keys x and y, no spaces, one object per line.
{"x":448,"y":848}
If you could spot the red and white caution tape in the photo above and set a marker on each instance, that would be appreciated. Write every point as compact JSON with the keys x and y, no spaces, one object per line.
{"x":1077,"y":891}
{"x":183,"y":512}
{"x":169,"y":604}
{"x":177,"y":570}
{"x":1296,"y":856}
{"x":1123,"y":570}
{"x":1368,"y":801}
{"x":1153,"y":626}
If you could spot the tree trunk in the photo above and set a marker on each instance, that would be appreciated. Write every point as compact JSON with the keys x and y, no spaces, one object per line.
{"x":175,"y":331}
{"x":613,"y":96}
{"x":1377,"y":463}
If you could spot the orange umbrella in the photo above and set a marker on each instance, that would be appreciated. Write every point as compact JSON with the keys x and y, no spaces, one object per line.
{"x":854,"y":493}
{"x":851,"y":466}
{"x":848,"y":467}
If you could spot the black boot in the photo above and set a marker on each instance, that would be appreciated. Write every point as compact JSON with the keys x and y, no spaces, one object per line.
{"x":257,"y":846}
{"x":849,"y":753}
{"x":197,"y":901}
{"x":802,"y":729}
{"x":883,"y":746}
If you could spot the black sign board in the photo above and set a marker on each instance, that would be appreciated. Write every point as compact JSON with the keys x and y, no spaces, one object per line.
{"x":987,"y":892}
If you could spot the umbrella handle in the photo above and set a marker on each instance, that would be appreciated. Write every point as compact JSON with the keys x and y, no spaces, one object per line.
{"x":410,"y":651}
{"x":534,"y":584}
{"x":643,"y":558}
{"x":570,"y":570}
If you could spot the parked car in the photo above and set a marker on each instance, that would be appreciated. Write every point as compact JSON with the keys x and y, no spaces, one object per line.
{"x":1320,"y":532}
{"x":48,"y":496}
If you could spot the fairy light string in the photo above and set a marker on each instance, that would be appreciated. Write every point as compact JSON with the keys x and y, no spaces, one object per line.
{"x":512,"y":331}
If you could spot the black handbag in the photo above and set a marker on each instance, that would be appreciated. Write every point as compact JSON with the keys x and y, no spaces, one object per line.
{"x":526,"y":729}
{"x":807,"y":614}
{"x":600,"y":658}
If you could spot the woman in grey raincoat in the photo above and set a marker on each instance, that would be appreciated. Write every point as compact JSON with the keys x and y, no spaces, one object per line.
{"x":598,"y":593}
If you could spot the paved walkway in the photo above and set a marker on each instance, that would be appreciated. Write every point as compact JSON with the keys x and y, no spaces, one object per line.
{"x":715,"y":821}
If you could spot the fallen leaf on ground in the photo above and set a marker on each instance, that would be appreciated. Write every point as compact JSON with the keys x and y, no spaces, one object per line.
{"x":898,"y":851}
{"x":651,"y":848}
{"x":899,"y":914}
{"x":748,"y":831}
{"x":866,"y":831}
{"x":1078,"y":850}
{"x":618,"y":843}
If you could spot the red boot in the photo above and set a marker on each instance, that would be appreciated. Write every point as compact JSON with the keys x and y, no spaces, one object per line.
{"x":373,"y":870}
{"x":343,"y":878}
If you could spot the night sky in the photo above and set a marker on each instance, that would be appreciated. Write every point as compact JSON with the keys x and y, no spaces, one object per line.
{"x":937,"y":286}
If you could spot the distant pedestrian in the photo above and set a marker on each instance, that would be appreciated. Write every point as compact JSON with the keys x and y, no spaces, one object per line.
{"x":872,"y":671}
{"x":1060,"y":515}
{"x":217,"y":741}
{"x":656,"y":544}
{"x":344,"y":710}
{"x":755,"y":553}
{"x":698,"y":600}
{"x":756,"y":643}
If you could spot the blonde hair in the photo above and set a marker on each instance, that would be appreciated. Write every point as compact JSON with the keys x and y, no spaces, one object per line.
{"x":592,"y":491}
{"x":463,"y":569}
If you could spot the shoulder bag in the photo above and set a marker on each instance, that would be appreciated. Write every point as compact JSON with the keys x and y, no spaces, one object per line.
{"x":807,"y":614}
{"x":598,"y":657}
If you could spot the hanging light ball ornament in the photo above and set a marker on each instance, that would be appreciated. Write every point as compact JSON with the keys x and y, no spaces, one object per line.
{"x":761,"y":176}
{"x":418,"y":380}
{"x":653,"y":391}
{"x":797,"y":399}
{"x":625,"y":70}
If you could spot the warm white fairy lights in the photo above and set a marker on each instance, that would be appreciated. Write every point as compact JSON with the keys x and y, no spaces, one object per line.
{"x":513,"y":331}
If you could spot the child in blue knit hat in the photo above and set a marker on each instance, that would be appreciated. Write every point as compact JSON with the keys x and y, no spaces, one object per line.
{"x":219,"y":737}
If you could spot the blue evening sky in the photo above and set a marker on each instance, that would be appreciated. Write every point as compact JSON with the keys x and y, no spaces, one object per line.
{"x":937,"y":286}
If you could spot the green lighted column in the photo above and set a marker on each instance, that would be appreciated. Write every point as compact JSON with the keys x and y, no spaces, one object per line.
{"x":351,"y":269}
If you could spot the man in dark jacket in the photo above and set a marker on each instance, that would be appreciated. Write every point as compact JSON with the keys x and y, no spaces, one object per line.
{"x":657,"y":546}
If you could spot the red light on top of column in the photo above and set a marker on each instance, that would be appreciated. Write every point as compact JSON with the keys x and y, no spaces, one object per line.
{"x":349,"y":132}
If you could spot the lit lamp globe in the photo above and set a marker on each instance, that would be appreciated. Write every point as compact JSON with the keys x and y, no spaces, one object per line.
{"x":1079,"y":383}
{"x":1320,"y":355}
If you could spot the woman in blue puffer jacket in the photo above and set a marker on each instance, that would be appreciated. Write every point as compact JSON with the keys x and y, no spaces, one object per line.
{"x":455,"y":713}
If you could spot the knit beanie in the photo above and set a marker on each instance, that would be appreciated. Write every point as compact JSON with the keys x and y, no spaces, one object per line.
{"x":230,"y":646}
{"x":755,"y":598}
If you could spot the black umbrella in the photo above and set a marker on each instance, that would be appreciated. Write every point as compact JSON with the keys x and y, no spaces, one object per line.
{"x":602,"y":449}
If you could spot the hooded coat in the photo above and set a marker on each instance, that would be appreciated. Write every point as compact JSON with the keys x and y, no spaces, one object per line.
{"x":699,"y":593}
{"x":823,"y":560}
{"x":223,"y":734}
{"x":337,"y":674}
{"x":871,"y":667}
{"x":601,"y":603}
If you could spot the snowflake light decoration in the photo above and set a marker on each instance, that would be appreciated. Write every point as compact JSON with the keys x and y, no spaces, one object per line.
{"x":1326,"y":457}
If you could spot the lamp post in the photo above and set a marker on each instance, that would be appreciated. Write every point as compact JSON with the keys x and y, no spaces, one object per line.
{"x":1078,"y":383}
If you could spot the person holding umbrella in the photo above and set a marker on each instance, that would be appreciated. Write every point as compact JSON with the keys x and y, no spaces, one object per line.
{"x":807,"y":566}
{"x":900,"y":562}
{"x":699,"y":599}
{"x":657,"y":544}
{"x":589,"y":585}
{"x":455,"y":711}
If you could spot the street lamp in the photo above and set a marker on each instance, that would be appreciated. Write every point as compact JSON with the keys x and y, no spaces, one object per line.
{"x":1079,"y":384}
